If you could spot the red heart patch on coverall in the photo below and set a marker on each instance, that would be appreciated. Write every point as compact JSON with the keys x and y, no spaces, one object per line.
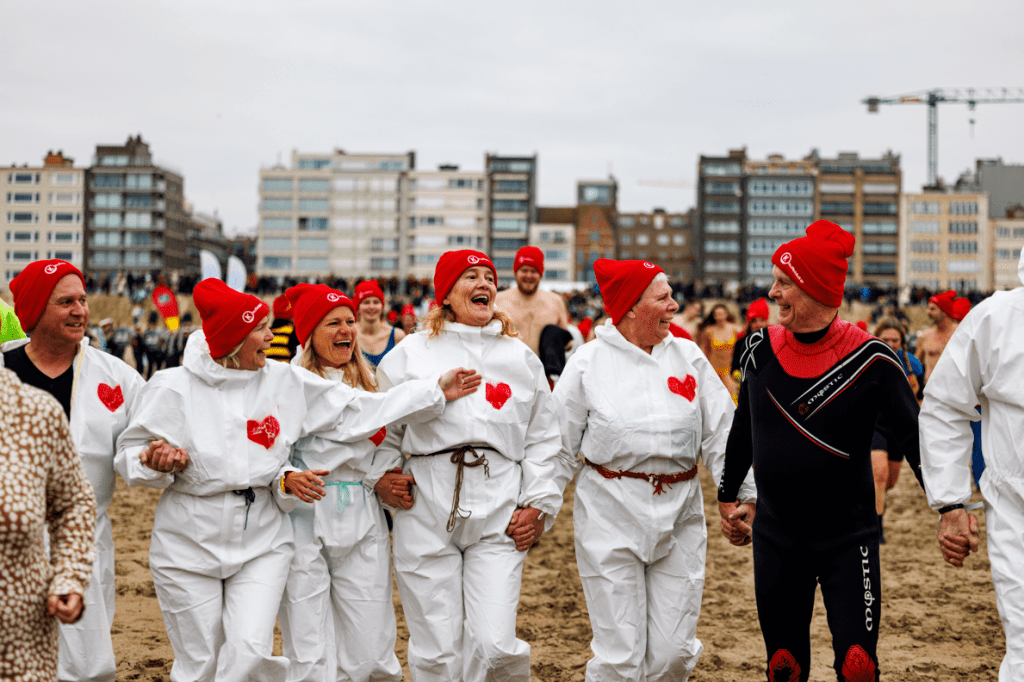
{"x":263,"y":432}
{"x":498,"y":395}
{"x":113,"y":398}
{"x":686,"y":388}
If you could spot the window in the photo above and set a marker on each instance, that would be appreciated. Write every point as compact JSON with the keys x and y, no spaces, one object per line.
{"x":927,"y":208}
{"x":626,"y":221}
{"x":662,"y":240}
{"x":106,"y":220}
{"x":1003,"y":232}
{"x":428,"y":220}
{"x":678,"y":240}
{"x":879,"y":227}
{"x":642,"y":240}
{"x":499,"y":205}
{"x":139,"y":181}
{"x":21,"y":178}
{"x":759,"y":266}
{"x":719,"y":187}
{"x":762,"y":207}
{"x":1018,"y":232}
{"x":510,"y":166}
{"x":963,"y":227}
{"x":310,"y":244}
{"x":722,"y":227}
{"x":962,"y":266}
{"x":63,"y":255}
{"x":277,"y":262}
{"x":958,"y":247}
{"x":383,"y":263}
{"x":467,"y":183}
{"x":311,"y":204}
{"x":114,"y":160}
{"x":312,"y":264}
{"x":277,"y":244}
{"x":277,"y":205}
{"x":837,"y":208}
{"x":781,"y":188}
{"x":21,"y":237}
{"x":721,"y":169}
{"x":138,"y":201}
{"x":463,"y":240}
{"x":64,"y":178}
{"x":383,"y":244}
{"x":139,"y":239}
{"x":313,"y":164}
{"x":1007,"y":254}
{"x":22,"y":198}
{"x":107,"y":201}
{"x":963,"y":208}
{"x":930,"y":246}
{"x":721,"y":246}
{"x":722,"y":266}
{"x":64,"y":237}
{"x":924,"y":265}
{"x":925,"y":227}
{"x":21,"y":217}
{"x":722,"y":207}
{"x":105,"y":258}
{"x":880,"y":208}
{"x":311,"y":185}
{"x":872,"y":268}
{"x":64,"y":218}
{"x":508,"y":225}
{"x":423,"y":259}
{"x":837,"y":188}
{"x":507,"y":244}
{"x":277,"y":184}
{"x":625,"y":239}
{"x":511,"y":186}
{"x":108,"y":181}
{"x":764,"y":247}
{"x":132,"y":219}
{"x":66,"y":198}
{"x":677,"y":221}
{"x":313,"y":224}
{"x":398,"y":165}
{"x":556,"y":254}
{"x":964,"y":285}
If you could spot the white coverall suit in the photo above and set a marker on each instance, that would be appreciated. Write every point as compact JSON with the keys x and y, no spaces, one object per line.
{"x":460,"y":590}
{"x":983,"y":364}
{"x":219,"y":560}
{"x":103,"y":390}
{"x":340,"y":578}
{"x":640,"y":554}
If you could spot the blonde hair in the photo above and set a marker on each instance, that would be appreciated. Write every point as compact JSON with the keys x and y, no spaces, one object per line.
{"x":230,"y":361}
{"x":438,"y":317}
{"x":356,"y":371}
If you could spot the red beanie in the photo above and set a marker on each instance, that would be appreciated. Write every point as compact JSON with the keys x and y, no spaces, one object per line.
{"x":228,"y":315}
{"x":758,"y":308}
{"x":450,"y":267}
{"x":311,"y":303}
{"x":33,"y":286}
{"x":529,"y":255}
{"x":283,"y":307}
{"x":622,"y":283}
{"x":862,"y":325}
{"x":365,"y":289}
{"x":945,"y":302}
{"x":961,"y":307}
{"x":817,"y":262}
{"x":392,"y":316}
{"x":585,"y":325}
{"x":407,"y":309}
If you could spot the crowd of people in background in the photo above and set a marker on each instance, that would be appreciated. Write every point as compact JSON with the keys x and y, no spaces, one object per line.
{"x":284,"y":434}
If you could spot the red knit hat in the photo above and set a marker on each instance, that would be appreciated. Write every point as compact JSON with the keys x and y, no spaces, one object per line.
{"x":961,"y":307}
{"x":945,"y":302}
{"x":585,"y":325}
{"x":365,"y":289}
{"x":817,"y":262}
{"x":311,"y":303}
{"x":529,"y":255}
{"x":758,"y":308}
{"x":407,"y":309}
{"x":450,"y":267}
{"x":33,"y":286}
{"x":283,"y":308}
{"x":228,"y":315}
{"x":862,"y":325}
{"x":622,"y":283}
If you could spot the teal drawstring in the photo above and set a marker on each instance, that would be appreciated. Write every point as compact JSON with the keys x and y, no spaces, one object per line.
{"x":344,"y":496}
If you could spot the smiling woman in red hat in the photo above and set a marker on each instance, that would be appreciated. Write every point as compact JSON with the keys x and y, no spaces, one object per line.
{"x":483,"y":482}
{"x":216,"y":434}
{"x":642,"y":406}
{"x":376,"y":335}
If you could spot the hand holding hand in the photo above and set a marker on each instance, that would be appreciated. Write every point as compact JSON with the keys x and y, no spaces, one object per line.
{"x":66,"y":607}
{"x":395,"y":489}
{"x":164,"y":457}
{"x":736,"y":522}
{"x":958,"y":536}
{"x":526,"y":527}
{"x":306,"y":485}
{"x":459,"y":382}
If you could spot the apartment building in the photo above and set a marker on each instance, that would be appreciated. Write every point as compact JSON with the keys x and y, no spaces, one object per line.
{"x":135,"y":214}
{"x":554,"y":233}
{"x":333,"y":213}
{"x":447,"y":210}
{"x":721,"y":224}
{"x":863,"y":197}
{"x":42,"y":213}
{"x":1007,"y":241}
{"x":596,"y":225}
{"x":512,"y":208}
{"x":780,"y":203}
{"x":665,"y":239}
{"x":946,"y":241}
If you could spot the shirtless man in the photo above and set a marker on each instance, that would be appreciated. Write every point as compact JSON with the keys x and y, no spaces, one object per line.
{"x":530,"y":308}
{"x":933,"y":340}
{"x":690,"y":316}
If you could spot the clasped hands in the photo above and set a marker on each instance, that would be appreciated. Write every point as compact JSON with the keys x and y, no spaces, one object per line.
{"x":163,"y":457}
{"x":737,"y":520}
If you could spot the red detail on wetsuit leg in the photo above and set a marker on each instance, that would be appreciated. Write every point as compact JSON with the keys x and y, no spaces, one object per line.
{"x":783,"y":667}
{"x":858,"y":666}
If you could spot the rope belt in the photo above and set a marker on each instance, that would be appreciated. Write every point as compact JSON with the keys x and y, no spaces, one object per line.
{"x":344,"y":496}
{"x":459,"y":458}
{"x":659,"y":481}
{"x":250,"y":496}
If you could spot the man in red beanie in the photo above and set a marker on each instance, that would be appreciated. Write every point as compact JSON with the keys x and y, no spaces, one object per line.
{"x":812,"y":390}
{"x":932,"y":341}
{"x":283,"y":346}
{"x":95,"y":389}
{"x":530,"y":308}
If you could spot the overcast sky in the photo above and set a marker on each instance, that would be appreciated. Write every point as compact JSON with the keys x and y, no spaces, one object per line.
{"x":641,"y":89}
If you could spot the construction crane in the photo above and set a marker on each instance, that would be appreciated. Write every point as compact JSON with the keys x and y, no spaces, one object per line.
{"x":970,"y":96}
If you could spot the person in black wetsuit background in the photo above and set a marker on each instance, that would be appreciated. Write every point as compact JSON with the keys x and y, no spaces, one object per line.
{"x":811,"y":391}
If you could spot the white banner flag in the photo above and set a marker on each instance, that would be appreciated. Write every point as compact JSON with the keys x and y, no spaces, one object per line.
{"x":209,"y":264}
{"x":236,"y":273}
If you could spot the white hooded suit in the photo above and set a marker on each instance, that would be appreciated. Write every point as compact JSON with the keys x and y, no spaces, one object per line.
{"x":983,"y":364}
{"x":640,"y":554}
{"x":220,"y":559}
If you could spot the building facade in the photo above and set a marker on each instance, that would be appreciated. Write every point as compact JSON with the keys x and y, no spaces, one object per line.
{"x":512,"y":208}
{"x":333,"y":213}
{"x":135,"y":214}
{"x":1007,"y":241}
{"x":554,"y":233}
{"x":596,"y":225}
{"x":43,"y":214}
{"x":946,"y":241}
{"x":1004,"y":184}
{"x":720,"y":217}
{"x":665,"y":239}
{"x":781,"y":201}
{"x":446,"y":210}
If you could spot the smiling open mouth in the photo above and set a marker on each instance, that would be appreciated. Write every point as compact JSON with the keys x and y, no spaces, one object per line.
{"x":343,"y":344}
{"x":482,"y":299}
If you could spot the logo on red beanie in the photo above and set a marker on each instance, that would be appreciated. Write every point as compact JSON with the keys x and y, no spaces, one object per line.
{"x":250,"y":315}
{"x":649,"y":266}
{"x":333,"y":298}
{"x":50,"y":269}
{"x":472,"y":259}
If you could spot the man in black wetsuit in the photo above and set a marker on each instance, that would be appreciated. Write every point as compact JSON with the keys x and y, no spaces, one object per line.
{"x":812,"y":389}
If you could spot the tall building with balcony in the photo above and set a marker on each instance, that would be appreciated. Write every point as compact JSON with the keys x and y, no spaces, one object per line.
{"x":1007,"y":241}
{"x":946,"y":241}
{"x":446,"y":210}
{"x":512,"y":208}
{"x":135,"y":214}
{"x":554,"y":233}
{"x":863,"y":197}
{"x":720,"y":222}
{"x":780,"y":205}
{"x":42,"y":214}
{"x":665,"y":239}
{"x":596,"y":225}
{"x":333,"y":213}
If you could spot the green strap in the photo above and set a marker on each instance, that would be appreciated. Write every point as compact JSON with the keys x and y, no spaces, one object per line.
{"x":344,"y":496}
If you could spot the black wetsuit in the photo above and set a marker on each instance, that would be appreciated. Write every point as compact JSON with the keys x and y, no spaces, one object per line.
{"x":805,"y":420}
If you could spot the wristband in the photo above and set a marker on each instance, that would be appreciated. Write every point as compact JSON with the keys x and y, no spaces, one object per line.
{"x":283,"y":490}
{"x":950,"y":507}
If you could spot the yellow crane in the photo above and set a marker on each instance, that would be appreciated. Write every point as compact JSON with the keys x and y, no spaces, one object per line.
{"x":969,"y":96}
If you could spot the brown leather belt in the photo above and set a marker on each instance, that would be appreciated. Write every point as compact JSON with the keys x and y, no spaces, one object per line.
{"x":659,"y":481}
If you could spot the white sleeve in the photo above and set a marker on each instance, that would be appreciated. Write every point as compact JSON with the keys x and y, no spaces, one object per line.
{"x":544,"y":464}
{"x":571,"y":408}
{"x":944,"y":424}
{"x":388,"y":454}
{"x":156,"y":413}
